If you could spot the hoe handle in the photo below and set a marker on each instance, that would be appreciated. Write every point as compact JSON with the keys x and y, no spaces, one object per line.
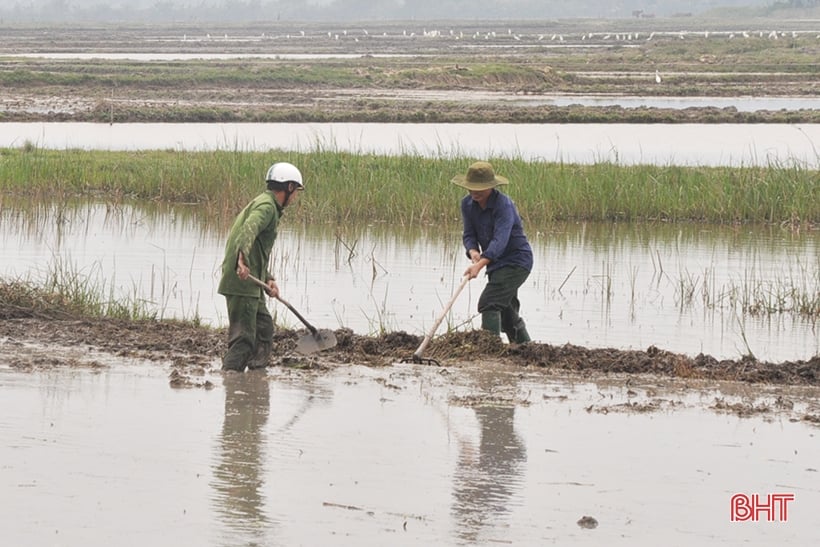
{"x":440,"y":318}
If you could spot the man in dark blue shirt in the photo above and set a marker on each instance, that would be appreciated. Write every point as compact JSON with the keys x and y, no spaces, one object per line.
{"x":494,"y":238}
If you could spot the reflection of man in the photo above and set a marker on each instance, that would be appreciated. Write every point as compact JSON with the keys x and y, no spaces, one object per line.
{"x":238,"y":471}
{"x":484,"y":484}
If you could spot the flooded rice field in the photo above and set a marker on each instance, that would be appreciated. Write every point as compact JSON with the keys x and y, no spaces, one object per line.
{"x":115,"y":440}
{"x":685,"y":288}
{"x":130,"y":434}
{"x":680,"y":70}
{"x":106,"y":451}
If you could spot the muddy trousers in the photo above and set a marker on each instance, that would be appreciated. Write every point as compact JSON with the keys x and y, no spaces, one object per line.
{"x":499,"y":305}
{"x":250,"y":334}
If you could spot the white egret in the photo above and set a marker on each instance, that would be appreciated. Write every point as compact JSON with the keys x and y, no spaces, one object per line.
{"x":657,"y":77}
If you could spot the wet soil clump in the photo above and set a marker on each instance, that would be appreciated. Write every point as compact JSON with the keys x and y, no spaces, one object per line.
{"x":186,"y":345}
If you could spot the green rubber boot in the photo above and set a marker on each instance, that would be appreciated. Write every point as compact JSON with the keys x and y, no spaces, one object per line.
{"x":519,"y":333}
{"x":491,"y":321}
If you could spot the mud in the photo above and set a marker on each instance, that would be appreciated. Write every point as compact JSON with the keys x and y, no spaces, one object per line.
{"x":652,"y":380}
{"x":305,"y":106}
{"x":189,"y":348}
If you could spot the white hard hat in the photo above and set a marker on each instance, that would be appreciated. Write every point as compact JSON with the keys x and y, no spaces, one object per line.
{"x":284,"y":172}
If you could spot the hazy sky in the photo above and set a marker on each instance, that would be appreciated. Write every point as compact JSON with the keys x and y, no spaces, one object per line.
{"x":350,"y":10}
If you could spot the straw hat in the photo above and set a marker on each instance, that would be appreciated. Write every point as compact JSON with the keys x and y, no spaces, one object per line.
{"x":480,"y":176}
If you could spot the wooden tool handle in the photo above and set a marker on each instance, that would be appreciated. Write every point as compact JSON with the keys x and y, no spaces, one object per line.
{"x":264,"y":287}
{"x":440,"y":318}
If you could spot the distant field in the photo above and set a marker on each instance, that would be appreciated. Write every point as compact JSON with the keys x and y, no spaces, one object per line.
{"x":319,"y":72}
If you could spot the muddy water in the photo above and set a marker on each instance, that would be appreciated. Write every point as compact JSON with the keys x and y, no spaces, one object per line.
{"x":680,"y":288}
{"x":662,"y":144}
{"x":107,"y":453}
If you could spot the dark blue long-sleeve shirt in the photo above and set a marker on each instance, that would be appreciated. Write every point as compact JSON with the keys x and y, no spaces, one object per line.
{"x":496,"y":231}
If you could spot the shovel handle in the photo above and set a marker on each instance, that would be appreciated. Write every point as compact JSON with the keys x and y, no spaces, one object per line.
{"x":264,"y":286}
{"x":310,"y":327}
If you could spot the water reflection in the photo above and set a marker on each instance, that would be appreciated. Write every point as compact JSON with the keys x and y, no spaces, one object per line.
{"x":239,"y":470}
{"x":486,"y":480}
{"x":71,"y":474}
{"x":626,"y":144}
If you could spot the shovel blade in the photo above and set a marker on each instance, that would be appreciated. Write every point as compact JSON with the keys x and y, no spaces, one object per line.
{"x":311,"y":343}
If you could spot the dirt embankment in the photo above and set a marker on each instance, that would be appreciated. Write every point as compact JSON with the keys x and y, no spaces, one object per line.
{"x":186,"y":345}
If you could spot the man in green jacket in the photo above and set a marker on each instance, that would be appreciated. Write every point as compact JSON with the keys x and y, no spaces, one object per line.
{"x":247,"y":252}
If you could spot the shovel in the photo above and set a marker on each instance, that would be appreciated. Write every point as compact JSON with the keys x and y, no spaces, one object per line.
{"x":317,"y":340}
{"x":417,"y":358}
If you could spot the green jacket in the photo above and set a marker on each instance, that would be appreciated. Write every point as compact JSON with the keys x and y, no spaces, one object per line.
{"x":253,"y":232}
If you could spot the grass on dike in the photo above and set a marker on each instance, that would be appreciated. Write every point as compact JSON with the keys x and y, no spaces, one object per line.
{"x":68,"y":293}
{"x":409,"y":189}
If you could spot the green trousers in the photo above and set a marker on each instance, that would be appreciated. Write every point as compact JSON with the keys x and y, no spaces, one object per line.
{"x":250,"y":334}
{"x":499,"y":304}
